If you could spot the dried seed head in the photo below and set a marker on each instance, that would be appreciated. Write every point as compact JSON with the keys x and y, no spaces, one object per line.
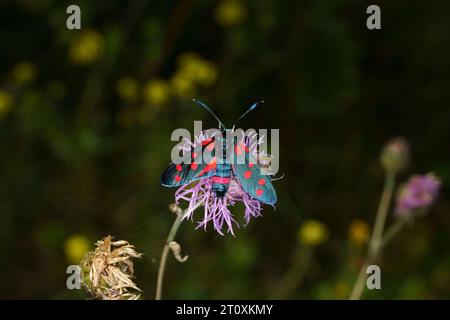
{"x":107,"y":272}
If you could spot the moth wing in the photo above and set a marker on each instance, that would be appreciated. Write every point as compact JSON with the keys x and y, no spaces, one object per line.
{"x":249,"y":175}
{"x":180,"y":174}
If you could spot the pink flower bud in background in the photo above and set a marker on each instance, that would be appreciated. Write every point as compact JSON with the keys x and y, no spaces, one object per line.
{"x":395,"y":155}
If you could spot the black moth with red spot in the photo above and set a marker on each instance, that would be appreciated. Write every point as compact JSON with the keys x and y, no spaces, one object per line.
{"x":248,"y":174}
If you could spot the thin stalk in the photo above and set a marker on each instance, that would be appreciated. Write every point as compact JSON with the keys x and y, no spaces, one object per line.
{"x":170,"y":238}
{"x":377,"y":235}
{"x":162,"y":262}
{"x":294,"y":275}
{"x":394,"y":230}
{"x":383,"y":210}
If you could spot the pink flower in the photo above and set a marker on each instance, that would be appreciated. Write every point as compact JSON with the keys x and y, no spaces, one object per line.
{"x":420,"y":192}
{"x":216,"y":210}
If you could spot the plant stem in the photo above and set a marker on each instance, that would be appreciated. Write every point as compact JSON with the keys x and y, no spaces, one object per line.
{"x":377,"y":235}
{"x":162,"y":262}
{"x":172,"y":233}
{"x":294,"y":275}
{"x":394,"y":230}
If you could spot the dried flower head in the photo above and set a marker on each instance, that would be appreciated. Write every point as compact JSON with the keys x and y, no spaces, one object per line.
{"x":217,"y":209}
{"x":395,"y":155}
{"x":108,"y":270}
{"x":418,"y":194}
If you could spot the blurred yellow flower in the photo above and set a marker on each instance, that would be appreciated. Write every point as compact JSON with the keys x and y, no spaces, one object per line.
{"x":312,"y":232}
{"x":196,"y":69}
{"x":358,"y":232}
{"x":75,"y":247}
{"x":127,"y":88}
{"x":192,"y":71}
{"x":86,"y":48}
{"x":156,"y":92}
{"x":6,"y":102}
{"x":206,"y":73}
{"x":230,"y":12}
{"x":187,"y":59}
{"x":182,"y":85}
{"x":341,"y":290}
{"x":24,"y":72}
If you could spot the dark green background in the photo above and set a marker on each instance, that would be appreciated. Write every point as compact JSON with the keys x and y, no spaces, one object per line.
{"x":336,"y":90}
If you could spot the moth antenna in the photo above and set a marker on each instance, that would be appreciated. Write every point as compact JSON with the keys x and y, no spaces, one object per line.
{"x":279,"y":178}
{"x":252,"y":107}
{"x":203,"y":105}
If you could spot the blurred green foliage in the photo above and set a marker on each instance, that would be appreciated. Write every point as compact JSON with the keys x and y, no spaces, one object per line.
{"x":86,"y":117}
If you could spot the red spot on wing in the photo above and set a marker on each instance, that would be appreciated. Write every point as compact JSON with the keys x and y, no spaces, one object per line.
{"x":251,"y":165}
{"x":261,"y":182}
{"x":259,"y":192}
{"x":177,"y":178}
{"x":210,"y":166}
{"x":238,"y":150}
{"x":213,"y":163}
{"x":207,"y":141}
{"x":194,"y":155}
{"x":194,"y":166}
{"x":247,"y":174}
{"x":244,"y":147}
{"x":210,"y":147}
{"x":178,"y":167}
